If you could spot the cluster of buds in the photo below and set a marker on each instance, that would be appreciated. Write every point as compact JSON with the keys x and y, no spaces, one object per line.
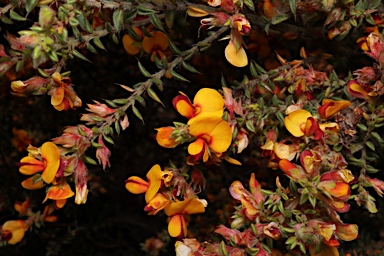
{"x":169,"y":191}
{"x":63,"y":96}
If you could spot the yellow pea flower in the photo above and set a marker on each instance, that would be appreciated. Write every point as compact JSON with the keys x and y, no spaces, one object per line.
{"x":49,"y":164}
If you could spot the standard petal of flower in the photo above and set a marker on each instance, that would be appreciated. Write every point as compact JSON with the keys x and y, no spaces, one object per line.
{"x":161,"y":40}
{"x":209,"y":100}
{"x":31,"y":184}
{"x":30,"y":165}
{"x":221,"y":137}
{"x":59,"y":192}
{"x":237,"y":58}
{"x":188,"y":206}
{"x":130,"y":45}
{"x":295,"y":122}
{"x":136,"y":185}
{"x":158,"y":202}
{"x":154,"y":177}
{"x":51,"y":156}
{"x":177,"y":226}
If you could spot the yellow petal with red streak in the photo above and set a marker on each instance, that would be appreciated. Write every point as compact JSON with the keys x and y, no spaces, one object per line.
{"x":208,"y":101}
{"x":30,"y":165}
{"x":51,"y":156}
{"x":177,"y":226}
{"x":136,"y":185}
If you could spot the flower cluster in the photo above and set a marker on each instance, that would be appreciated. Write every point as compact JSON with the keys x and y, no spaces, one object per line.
{"x":163,"y":191}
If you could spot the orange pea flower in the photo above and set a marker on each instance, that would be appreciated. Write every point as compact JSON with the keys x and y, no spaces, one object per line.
{"x":60,"y":193}
{"x":46,"y":216}
{"x":301,"y":123}
{"x":49,"y":163}
{"x":13,"y":231}
{"x":63,"y":95}
{"x":137,"y":185}
{"x":22,"y":207}
{"x":163,"y":137}
{"x":330,"y":107}
{"x":212,"y":133}
{"x":132,"y":46}
{"x":156,"y":204}
{"x":206,"y":102}
{"x":356,"y":90}
{"x":156,"y":45}
{"x":177,"y":226}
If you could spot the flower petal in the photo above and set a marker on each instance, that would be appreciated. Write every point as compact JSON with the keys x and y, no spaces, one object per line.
{"x":347,"y":232}
{"x":17,"y":228}
{"x":177,"y":226}
{"x":209,"y":100}
{"x":130,"y":45}
{"x":295,"y":120}
{"x":51,"y":156}
{"x":59,"y":192}
{"x":196,"y":147}
{"x":30,"y":165}
{"x":33,"y":183}
{"x":237,"y":58}
{"x":154,"y":177}
{"x":188,"y":206}
{"x":57,"y":96}
{"x":184,"y":106}
{"x":163,"y":137}
{"x":136,"y":185}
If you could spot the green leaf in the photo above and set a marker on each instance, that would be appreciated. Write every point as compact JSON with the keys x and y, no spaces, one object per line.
{"x":156,"y":22}
{"x":30,"y":4}
{"x":118,"y":19}
{"x":292,"y":5}
{"x":117,"y":127}
{"x":90,"y":47}
{"x":178,"y":76}
{"x":137,"y":113}
{"x":173,"y":47}
{"x":250,"y":126}
{"x":89,"y":160}
{"x":189,"y":67}
{"x":96,"y":145}
{"x":143,"y":70}
{"x":154,"y":96}
{"x":98,"y":43}
{"x":15,"y":16}
{"x":108,"y":139}
{"x":370,"y":145}
{"x":280,"y":18}
{"x":79,"y":55}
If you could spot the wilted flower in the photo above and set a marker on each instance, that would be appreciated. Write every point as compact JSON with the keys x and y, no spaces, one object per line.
{"x":103,"y":153}
{"x":63,"y":95}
